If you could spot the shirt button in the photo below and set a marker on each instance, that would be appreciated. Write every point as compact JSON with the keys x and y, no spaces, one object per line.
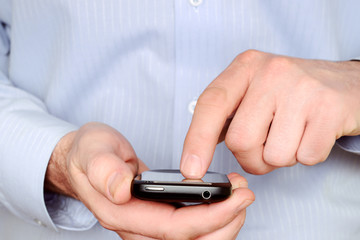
{"x":196,"y":3}
{"x":40,"y":223}
{"x":191,"y":106}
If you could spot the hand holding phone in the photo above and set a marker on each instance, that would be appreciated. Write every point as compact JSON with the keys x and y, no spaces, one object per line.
{"x":171,"y":186}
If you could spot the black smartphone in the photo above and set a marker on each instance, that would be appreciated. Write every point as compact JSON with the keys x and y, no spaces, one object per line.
{"x":171,"y":186}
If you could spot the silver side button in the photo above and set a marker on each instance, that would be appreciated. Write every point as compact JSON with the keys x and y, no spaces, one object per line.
{"x":154,"y":188}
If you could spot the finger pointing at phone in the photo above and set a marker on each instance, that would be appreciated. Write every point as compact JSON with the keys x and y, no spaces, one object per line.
{"x":285,"y":110}
{"x":83,"y":165}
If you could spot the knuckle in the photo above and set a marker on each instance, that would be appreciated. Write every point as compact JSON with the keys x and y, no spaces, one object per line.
{"x":238,"y":141}
{"x":256,"y":170}
{"x":279,"y":64}
{"x":92,"y":132}
{"x":311,"y":89}
{"x":92,"y":128}
{"x":278,"y":158}
{"x":92,"y":137}
{"x":274,"y":68}
{"x":99,"y":160}
{"x":309,"y":159}
{"x":97,"y":168}
{"x":248,"y":55}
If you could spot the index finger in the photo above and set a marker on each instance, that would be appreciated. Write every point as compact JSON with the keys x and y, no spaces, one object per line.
{"x":214,"y":106}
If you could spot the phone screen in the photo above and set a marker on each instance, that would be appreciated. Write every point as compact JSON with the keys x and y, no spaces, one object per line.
{"x":172,"y":176}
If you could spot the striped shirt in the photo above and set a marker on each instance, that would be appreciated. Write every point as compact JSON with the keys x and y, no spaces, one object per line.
{"x":139,"y":66}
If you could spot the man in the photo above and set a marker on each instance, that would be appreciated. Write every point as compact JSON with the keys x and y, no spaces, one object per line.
{"x":140,"y":67}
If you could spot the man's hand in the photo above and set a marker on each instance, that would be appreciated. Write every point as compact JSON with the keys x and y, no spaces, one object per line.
{"x":283,"y":110}
{"x":96,"y":165}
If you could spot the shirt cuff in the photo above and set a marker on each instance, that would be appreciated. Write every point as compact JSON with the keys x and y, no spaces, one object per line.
{"x":350,"y":144}
{"x":27,"y":140}
{"x":68,"y":213}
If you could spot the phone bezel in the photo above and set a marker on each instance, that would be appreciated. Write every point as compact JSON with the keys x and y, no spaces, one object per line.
{"x":180,"y":191}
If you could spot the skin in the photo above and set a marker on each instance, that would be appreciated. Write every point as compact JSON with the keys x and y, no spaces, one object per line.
{"x":96,"y":165}
{"x":274,"y":111}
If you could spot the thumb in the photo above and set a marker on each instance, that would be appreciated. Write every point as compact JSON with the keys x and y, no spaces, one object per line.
{"x":112,"y":176}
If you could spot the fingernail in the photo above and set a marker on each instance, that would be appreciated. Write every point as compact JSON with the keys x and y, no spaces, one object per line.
{"x":114,"y":182}
{"x":244,"y":205}
{"x":192,"y":166}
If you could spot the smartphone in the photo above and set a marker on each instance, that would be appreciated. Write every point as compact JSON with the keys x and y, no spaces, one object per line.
{"x":171,"y":186}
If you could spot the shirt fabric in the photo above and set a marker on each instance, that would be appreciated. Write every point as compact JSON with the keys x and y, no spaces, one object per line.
{"x":139,"y":66}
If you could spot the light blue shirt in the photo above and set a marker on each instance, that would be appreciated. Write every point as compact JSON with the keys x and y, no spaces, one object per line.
{"x":139,"y":66}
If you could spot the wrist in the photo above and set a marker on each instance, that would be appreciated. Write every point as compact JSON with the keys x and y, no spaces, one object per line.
{"x":57,"y":177}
